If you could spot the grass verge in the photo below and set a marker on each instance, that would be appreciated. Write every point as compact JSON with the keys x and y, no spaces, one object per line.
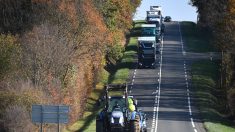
{"x":119,"y":74}
{"x":196,"y":40}
{"x":210,"y":98}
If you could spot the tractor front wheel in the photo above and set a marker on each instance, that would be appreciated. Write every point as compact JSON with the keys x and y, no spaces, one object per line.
{"x":100,"y":125}
{"x":134,"y":125}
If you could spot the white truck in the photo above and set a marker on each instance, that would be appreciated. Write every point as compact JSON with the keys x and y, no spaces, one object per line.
{"x":157,"y":9}
{"x":154,"y":18}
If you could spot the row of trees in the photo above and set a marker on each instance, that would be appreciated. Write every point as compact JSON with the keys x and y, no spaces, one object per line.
{"x":218,"y":17}
{"x":52,"y":52}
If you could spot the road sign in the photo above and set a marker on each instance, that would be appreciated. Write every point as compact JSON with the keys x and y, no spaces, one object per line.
{"x":50,"y":114}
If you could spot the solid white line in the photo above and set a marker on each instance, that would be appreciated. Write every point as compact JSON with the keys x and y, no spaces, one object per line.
{"x":159,"y":92}
{"x":195,"y":130}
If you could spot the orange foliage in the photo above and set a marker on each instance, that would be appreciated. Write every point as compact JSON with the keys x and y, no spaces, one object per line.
{"x":69,"y":8}
{"x":95,"y":20}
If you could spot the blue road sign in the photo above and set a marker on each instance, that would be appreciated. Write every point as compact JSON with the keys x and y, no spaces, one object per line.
{"x":50,"y":114}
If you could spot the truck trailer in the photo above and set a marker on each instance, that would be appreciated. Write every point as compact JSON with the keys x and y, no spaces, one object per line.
{"x":156,"y":8}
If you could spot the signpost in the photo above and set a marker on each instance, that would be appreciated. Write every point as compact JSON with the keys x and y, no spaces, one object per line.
{"x":50,"y":114}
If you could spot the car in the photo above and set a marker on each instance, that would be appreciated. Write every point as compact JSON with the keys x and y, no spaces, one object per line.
{"x":167,"y":19}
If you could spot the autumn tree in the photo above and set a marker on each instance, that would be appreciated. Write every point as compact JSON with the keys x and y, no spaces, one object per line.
{"x":57,"y":48}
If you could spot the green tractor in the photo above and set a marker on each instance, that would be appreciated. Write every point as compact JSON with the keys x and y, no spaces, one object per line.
{"x":120,"y":113}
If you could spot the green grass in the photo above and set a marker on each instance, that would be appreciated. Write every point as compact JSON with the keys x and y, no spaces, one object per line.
{"x":138,"y":23}
{"x":196,"y":40}
{"x":209,"y":97}
{"x":119,"y":74}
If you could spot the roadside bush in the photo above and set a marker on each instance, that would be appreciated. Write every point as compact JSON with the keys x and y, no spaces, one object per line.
{"x":17,"y":118}
{"x":114,"y":53}
{"x":9,"y":54}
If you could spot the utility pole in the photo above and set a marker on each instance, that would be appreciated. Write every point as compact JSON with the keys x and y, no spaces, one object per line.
{"x":221,"y":71}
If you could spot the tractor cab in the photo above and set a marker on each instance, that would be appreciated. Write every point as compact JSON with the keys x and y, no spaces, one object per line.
{"x":118,"y":114}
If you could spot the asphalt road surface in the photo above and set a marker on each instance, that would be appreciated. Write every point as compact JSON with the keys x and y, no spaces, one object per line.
{"x":164,"y":93}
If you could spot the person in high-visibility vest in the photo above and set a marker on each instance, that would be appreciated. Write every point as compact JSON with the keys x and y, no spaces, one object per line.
{"x":131,"y":105}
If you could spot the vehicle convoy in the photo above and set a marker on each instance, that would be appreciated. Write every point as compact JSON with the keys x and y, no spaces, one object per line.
{"x":120,"y":113}
{"x":147,"y":52}
{"x":151,"y":30}
{"x":154,"y":16}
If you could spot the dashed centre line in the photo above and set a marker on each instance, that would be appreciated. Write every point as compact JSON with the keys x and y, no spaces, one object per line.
{"x":186,"y":82}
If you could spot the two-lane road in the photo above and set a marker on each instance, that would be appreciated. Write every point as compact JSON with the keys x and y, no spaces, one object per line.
{"x":163,"y":93}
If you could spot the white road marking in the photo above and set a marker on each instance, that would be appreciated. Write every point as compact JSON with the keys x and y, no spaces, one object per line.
{"x":157,"y":99}
{"x":155,"y":92}
{"x":192,"y":122}
{"x":186,"y":79}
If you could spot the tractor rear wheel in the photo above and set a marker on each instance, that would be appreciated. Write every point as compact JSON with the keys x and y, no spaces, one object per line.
{"x":134,"y":125}
{"x":99,"y":126}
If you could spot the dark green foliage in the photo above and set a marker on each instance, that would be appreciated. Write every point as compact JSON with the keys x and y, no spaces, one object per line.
{"x":14,"y":15}
{"x":9,"y":51}
{"x":115,"y":53}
